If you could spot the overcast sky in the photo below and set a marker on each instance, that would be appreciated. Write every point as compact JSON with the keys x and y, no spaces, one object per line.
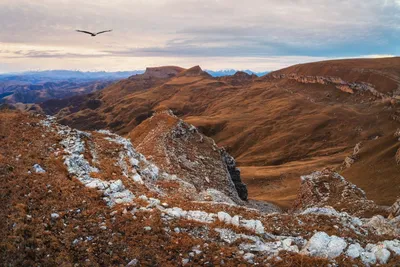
{"x":215,"y":34}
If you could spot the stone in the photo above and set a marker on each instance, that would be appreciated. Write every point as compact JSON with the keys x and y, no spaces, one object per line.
{"x":249,"y":257}
{"x":354,"y":251}
{"x":368,"y":258}
{"x":381,"y":226}
{"x":235,"y":221}
{"x":395,"y":209}
{"x":224,"y":217}
{"x":253,"y":225}
{"x":38,"y":169}
{"x":147,"y":228}
{"x":393,"y":245}
{"x":325,"y":246}
{"x":397,"y":133}
{"x":133,"y":262}
{"x":382,"y":254}
{"x":54,"y":216}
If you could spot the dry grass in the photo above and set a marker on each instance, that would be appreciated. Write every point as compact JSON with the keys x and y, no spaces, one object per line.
{"x":281,"y":127}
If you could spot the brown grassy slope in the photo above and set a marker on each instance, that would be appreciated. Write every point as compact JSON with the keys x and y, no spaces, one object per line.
{"x":384,"y":73}
{"x":277,"y":129}
{"x":376,"y":169}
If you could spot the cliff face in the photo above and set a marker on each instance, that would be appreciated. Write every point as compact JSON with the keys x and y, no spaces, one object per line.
{"x":348,"y":87}
{"x":383,"y":74}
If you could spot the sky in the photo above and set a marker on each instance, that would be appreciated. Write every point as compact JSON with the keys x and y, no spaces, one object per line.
{"x":215,"y":34}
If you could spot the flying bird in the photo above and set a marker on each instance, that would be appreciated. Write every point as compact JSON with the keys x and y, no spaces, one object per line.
{"x":93,"y":34}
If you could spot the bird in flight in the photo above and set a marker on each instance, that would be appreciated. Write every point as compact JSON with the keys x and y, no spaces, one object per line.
{"x":93,"y":34}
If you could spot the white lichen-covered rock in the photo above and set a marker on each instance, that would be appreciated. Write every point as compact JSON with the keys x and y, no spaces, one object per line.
{"x":249,"y":257}
{"x":224,"y":217}
{"x":393,"y":245}
{"x":38,"y":169}
{"x":253,"y":225}
{"x":368,"y":258}
{"x":54,"y":216}
{"x":325,"y":246}
{"x":381,"y":253}
{"x":329,"y":211}
{"x":354,"y":251}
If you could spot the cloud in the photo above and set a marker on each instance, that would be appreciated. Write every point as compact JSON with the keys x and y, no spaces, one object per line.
{"x":198,"y":28}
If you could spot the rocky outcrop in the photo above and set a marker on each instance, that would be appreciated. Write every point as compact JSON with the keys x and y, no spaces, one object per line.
{"x":328,"y":188}
{"x":180,"y":149}
{"x":348,"y":87}
{"x":350,"y":160}
{"x":234,"y":173}
{"x":397,"y":157}
{"x":194,"y":72}
{"x":395,"y":209}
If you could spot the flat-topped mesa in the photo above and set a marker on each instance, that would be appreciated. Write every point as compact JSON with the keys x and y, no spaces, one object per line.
{"x":162,"y":72}
{"x":328,"y":188}
{"x":180,"y":149}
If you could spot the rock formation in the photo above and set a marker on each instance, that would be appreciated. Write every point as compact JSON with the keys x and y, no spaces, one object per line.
{"x":328,"y":188}
{"x":348,"y":87}
{"x":180,"y":149}
{"x":161,"y":72}
{"x":398,"y":157}
{"x":350,"y":160}
{"x":395,"y":209}
{"x":234,"y":173}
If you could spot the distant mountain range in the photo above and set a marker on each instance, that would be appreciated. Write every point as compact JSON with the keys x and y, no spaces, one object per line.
{"x":39,"y":86}
{"x":230,"y":72}
{"x":37,"y":77}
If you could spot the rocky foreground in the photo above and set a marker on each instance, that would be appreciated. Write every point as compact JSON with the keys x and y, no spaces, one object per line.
{"x":90,"y":198}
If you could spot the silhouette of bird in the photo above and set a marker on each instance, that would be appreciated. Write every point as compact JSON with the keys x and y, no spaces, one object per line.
{"x":93,"y":34}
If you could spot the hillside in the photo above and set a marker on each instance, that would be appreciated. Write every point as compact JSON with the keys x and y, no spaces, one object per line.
{"x":278,"y":127}
{"x":91,"y":198}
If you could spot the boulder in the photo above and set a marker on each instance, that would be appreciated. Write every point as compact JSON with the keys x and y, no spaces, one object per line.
{"x":324,"y":246}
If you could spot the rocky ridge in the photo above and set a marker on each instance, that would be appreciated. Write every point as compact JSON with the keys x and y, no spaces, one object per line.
{"x":179,"y":148}
{"x":348,"y":87}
